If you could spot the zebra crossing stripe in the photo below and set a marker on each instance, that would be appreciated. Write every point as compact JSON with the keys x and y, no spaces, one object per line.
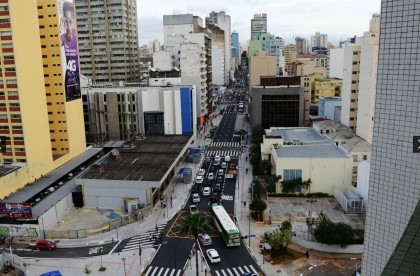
{"x":166,"y":271}
{"x":247,"y":270}
{"x":240,"y":269}
{"x":224,"y":273}
{"x":179,"y":272}
{"x":217,"y":272}
{"x":228,"y":270}
{"x":253,"y":269}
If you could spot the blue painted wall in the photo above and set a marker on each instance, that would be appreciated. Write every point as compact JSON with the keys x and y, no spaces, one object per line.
{"x":186,"y":111}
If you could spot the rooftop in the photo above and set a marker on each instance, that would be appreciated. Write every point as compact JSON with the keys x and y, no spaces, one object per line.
{"x":142,"y":160}
{"x":304,"y":142}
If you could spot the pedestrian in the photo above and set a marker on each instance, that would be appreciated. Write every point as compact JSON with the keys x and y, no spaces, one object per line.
{"x":246,"y":170}
{"x":246,"y":159}
{"x":156,"y":227}
{"x":307,"y":254}
{"x":150,"y":237}
{"x":244,"y":203}
{"x":164,"y":213}
{"x":171,"y":198}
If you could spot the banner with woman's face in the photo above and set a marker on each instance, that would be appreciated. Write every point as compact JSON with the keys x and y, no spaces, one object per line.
{"x":69,"y":51}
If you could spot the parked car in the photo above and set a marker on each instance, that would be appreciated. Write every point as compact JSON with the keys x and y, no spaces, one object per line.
{"x":213,"y":256}
{"x":193,"y":208}
{"x":217,"y":187}
{"x":46,"y":245}
{"x":211,"y":168}
{"x":199,"y":179}
{"x":221,"y":172}
{"x":224,"y":165}
{"x":206,"y":191}
{"x":207,"y":159}
{"x":204,"y":239}
{"x":219,"y":179}
{"x":195,"y":197}
{"x":227,"y":158}
{"x":195,"y":188}
{"x":232,"y":166}
{"x":210,"y":176}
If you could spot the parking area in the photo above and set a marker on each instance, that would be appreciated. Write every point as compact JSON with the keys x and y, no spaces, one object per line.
{"x":297,"y":209}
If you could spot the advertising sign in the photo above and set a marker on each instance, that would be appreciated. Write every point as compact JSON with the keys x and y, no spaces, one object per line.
{"x":15,"y":210}
{"x":69,"y":51}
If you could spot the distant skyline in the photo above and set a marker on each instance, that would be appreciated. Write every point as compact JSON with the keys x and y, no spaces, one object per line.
{"x":340,"y":19}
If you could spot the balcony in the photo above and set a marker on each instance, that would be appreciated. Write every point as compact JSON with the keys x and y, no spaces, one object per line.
{"x":5,"y":25}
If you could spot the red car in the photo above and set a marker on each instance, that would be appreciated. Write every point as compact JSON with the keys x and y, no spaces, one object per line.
{"x":46,"y":244}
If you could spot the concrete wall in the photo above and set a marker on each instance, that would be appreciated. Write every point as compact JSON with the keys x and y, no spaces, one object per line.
{"x":55,"y":214}
{"x":218,"y":65}
{"x":363,"y":171}
{"x":325,"y":173}
{"x":351,"y":249}
{"x":261,"y":65}
{"x":335,"y":63}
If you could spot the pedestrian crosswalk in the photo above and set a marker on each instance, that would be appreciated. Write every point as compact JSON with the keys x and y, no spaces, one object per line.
{"x":222,"y":153}
{"x":144,"y":239}
{"x":235,"y":271}
{"x":162,"y":271}
{"x":224,"y":144}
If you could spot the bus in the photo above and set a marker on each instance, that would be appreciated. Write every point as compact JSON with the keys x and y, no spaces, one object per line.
{"x":225,"y":225}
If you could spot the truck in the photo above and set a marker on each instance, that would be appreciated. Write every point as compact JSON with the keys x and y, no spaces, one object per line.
{"x":231,"y":174}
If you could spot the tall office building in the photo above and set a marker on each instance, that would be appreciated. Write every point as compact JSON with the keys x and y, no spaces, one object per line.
{"x":222,"y":20}
{"x":108,"y":40}
{"x":391,"y":244}
{"x":258,"y":25}
{"x":319,"y":40}
{"x":41,"y":116}
{"x":301,"y":45}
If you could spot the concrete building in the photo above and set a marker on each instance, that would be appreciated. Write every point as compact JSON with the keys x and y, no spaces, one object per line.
{"x":290,"y":60}
{"x":137,"y":173}
{"x":258,"y":25}
{"x":302,"y":45}
{"x":335,"y":63}
{"x":319,"y":40}
{"x":190,"y":46}
{"x":41,"y":116}
{"x":367,"y":81}
{"x":327,"y":106}
{"x":154,"y":45}
{"x":305,"y":153}
{"x":308,"y":67}
{"x":108,"y":40}
{"x":261,"y":65}
{"x":277,"y":106}
{"x":125,"y":112}
{"x":390,"y":246}
{"x":218,"y":69}
{"x":360,"y":70}
{"x":271,"y":44}
{"x":223,"y":21}
{"x":342,"y":136}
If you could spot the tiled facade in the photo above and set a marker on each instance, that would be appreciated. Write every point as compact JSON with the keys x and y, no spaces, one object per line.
{"x":395,"y":173}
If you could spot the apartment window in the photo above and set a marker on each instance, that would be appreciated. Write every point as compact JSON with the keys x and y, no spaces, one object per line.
{"x":354,"y":72}
{"x":7,"y":45}
{"x":355,"y":53}
{"x":353,"y":91}
{"x":364,"y":157}
{"x":6,"y":33}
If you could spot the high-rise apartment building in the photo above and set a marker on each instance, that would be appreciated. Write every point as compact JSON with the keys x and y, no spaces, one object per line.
{"x":258,"y":25}
{"x":271,"y":44}
{"x":359,"y":81}
{"x":223,"y":21}
{"x":236,"y":55}
{"x":302,"y":46}
{"x":108,"y":40}
{"x":41,"y":116}
{"x":391,"y":244}
{"x":319,"y":40}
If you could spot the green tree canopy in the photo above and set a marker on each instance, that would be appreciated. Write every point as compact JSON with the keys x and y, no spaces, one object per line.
{"x":257,"y":134}
{"x":194,"y":225}
{"x":258,"y":205}
{"x":282,"y":236}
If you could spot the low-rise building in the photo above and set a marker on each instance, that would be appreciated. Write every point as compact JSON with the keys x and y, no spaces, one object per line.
{"x":305,"y":153}
{"x":323,"y":87}
{"x":327,"y":107}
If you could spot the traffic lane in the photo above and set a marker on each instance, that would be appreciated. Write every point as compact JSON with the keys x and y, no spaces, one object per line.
{"x":173,"y":253}
{"x":230,"y":256}
{"x":224,"y":132}
{"x":87,"y":251}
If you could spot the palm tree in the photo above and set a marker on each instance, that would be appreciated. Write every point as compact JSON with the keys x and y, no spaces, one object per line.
{"x":194,"y":225}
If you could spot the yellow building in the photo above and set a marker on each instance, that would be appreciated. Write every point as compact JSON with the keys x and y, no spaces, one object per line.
{"x":323,"y":87}
{"x":41,"y":116}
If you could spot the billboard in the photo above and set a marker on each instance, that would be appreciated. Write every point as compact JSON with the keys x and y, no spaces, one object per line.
{"x":69,"y":51}
{"x":15,"y":210}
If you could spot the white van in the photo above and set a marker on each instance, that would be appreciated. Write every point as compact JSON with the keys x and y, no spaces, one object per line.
{"x":205,"y":239}
{"x":227,"y":158}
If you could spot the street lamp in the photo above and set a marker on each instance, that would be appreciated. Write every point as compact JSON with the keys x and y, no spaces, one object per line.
{"x":123,"y":259}
{"x":249,"y":230}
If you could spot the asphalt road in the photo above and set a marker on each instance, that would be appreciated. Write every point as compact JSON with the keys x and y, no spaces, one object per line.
{"x":224,"y":132}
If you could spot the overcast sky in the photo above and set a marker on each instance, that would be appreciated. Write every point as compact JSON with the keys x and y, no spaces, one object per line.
{"x":339,"y":19}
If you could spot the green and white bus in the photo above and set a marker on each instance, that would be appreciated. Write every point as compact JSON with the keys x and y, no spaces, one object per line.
{"x":225,"y":225}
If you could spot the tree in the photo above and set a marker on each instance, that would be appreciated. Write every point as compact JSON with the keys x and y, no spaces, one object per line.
{"x":257,"y":135}
{"x":282,"y":236}
{"x":258,"y":205}
{"x":255,"y":189}
{"x":194,"y":225}
{"x":329,"y":233}
{"x":292,"y":184}
{"x":266,"y":166}
{"x":100,"y":251}
{"x":272,"y":181}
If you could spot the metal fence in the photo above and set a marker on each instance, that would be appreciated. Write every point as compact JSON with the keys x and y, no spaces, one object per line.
{"x":92,"y":231}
